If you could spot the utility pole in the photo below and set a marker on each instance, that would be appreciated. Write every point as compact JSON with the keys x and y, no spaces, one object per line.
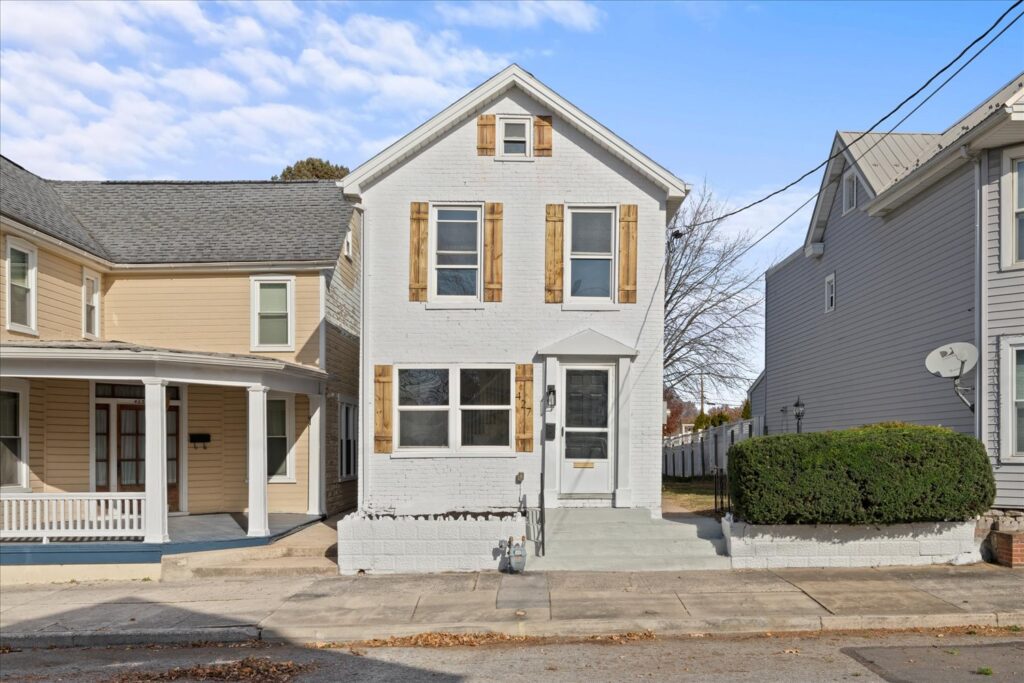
{"x":702,"y":392}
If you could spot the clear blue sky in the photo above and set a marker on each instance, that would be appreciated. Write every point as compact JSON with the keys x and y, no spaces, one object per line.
{"x":745,"y":94}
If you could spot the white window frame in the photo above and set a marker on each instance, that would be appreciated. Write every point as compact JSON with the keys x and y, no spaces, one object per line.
{"x":849,"y":191}
{"x":20,"y":387}
{"x":1008,"y":193}
{"x":87,"y":276}
{"x":254,"y":303}
{"x":501,"y":120}
{"x":830,"y":292}
{"x":567,"y":255}
{"x":454,"y":408}
{"x":13,"y":243}
{"x":289,"y":416}
{"x":432,"y":239}
{"x":1009,"y":345}
{"x":348,"y":430}
{"x":346,"y":245}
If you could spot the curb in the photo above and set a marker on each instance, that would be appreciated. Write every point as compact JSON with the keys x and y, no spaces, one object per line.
{"x":227,"y":634}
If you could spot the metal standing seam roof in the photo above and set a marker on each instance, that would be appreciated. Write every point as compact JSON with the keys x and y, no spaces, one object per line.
{"x":183,"y":222}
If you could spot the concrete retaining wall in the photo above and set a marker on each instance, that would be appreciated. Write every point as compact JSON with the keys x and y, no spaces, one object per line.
{"x":836,"y":545}
{"x":434,"y":543}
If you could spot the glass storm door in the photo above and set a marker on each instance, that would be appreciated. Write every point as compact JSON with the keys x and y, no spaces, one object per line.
{"x":587,"y":439}
{"x":131,"y":451}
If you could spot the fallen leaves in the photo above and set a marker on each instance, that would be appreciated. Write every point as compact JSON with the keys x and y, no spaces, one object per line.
{"x":247,"y":670}
{"x":441,"y":639}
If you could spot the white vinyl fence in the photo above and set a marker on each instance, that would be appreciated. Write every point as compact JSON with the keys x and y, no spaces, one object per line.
{"x":700,"y":453}
{"x":72,"y":515}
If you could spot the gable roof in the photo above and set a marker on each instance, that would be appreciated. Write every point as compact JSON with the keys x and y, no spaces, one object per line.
{"x":155,"y":222}
{"x":466,"y":106}
{"x":588,"y":343}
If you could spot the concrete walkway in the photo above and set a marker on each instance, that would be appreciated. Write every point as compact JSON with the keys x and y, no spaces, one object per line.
{"x":558,"y":603}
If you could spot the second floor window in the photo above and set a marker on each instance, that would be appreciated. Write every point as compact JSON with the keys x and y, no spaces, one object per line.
{"x":90,"y":304}
{"x":21,"y":286}
{"x":457,"y":252}
{"x":273,"y":304}
{"x":1018,"y":209}
{"x":590,"y":253}
{"x":830,"y":293}
{"x":849,"y":192}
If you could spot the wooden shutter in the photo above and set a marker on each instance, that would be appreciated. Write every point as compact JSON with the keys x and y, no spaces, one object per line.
{"x":382,"y":408}
{"x":492,"y":251}
{"x":627,"y":254}
{"x":419,"y":213}
{"x":541,"y":136}
{"x":485,"y":135}
{"x":524,"y":408}
{"x":554,"y":243}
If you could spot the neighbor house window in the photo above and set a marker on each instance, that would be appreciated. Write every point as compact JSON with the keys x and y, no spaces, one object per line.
{"x":1018,"y":210}
{"x":830,"y":293}
{"x":348,"y":449}
{"x":21,"y":286}
{"x":590,"y":253}
{"x":90,"y":304}
{"x":346,"y":246}
{"x":455,"y":408}
{"x":515,"y":135}
{"x":280,"y":425}
{"x":1018,"y":401}
{"x":457,"y":252}
{"x":273,"y":313}
{"x":849,"y":191}
{"x":14,"y":434}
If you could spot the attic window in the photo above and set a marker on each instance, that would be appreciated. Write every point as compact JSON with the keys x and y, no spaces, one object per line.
{"x":515,"y":136}
{"x":849,"y":192}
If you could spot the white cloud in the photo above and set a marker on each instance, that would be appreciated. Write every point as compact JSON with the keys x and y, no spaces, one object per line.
{"x":204,"y":86}
{"x":268,"y":72}
{"x":572,"y":14}
{"x":52,"y":27}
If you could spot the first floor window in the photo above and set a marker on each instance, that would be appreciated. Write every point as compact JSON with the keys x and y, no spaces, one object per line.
{"x":21,"y":286}
{"x":591,"y":253}
{"x":273,"y":318}
{"x":13,"y":450}
{"x":485,"y":406}
{"x":347,"y":440}
{"x":423,"y":406}
{"x":101,"y":438}
{"x":457,"y":252}
{"x":91,"y":304}
{"x":278,"y":439}
{"x":1018,"y":401}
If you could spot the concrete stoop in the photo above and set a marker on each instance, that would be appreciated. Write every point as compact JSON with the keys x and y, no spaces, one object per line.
{"x":309,"y":552}
{"x":614,"y":539}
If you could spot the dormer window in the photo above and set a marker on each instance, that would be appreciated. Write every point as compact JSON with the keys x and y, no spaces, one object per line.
{"x":515,"y":136}
{"x":849,"y":192}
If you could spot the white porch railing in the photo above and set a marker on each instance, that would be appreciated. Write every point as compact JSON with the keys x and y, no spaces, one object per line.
{"x":72,"y":515}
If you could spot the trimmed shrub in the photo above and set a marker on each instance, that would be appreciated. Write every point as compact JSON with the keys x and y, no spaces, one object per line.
{"x":879,"y":474}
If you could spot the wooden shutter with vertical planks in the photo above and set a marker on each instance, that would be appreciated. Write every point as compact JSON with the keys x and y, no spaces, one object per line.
{"x":494,"y":218}
{"x":419,"y":215}
{"x":541,"y":136}
{"x":485,"y":135}
{"x":553,"y":245}
{"x":627,"y":253}
{"x":382,"y":407}
{"x":524,"y":408}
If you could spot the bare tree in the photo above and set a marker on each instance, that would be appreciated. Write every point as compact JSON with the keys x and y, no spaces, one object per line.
{"x":711,"y":301}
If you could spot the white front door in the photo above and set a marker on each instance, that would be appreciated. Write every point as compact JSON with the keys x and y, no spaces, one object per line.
{"x":588,"y":443}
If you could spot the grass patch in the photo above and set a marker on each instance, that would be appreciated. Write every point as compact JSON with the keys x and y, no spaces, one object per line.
{"x":696,"y":496}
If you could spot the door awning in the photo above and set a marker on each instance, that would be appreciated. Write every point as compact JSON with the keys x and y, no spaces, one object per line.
{"x":588,"y":343}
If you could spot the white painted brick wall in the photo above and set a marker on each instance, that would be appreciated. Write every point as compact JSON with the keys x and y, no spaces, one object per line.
{"x":407,"y":545}
{"x":399,"y":331}
{"x":833,"y":545}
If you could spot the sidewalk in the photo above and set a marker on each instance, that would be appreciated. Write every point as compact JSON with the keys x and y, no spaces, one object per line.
{"x":337,"y":609}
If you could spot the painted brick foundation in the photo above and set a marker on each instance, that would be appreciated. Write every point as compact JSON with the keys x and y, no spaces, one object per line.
{"x":431,"y":543}
{"x":834,"y":545}
{"x":1008,"y":548}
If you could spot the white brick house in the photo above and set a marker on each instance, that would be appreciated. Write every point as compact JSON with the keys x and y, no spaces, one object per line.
{"x":512,"y":327}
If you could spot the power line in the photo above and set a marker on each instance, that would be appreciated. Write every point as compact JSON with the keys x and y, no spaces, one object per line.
{"x":917,"y":92}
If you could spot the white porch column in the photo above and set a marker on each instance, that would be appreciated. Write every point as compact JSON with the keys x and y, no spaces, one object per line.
{"x":259,"y":523}
{"x":623,"y":452}
{"x":317,"y":492}
{"x":156,"y":460}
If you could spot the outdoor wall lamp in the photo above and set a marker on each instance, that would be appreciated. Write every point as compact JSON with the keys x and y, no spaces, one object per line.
{"x":551,"y":397}
{"x":798,"y":413}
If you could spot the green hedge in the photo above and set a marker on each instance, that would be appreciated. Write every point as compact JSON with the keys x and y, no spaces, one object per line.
{"x":879,"y":474}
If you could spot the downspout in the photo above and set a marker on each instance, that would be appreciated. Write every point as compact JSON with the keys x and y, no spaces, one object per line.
{"x":364,"y":415}
{"x":981,"y":301}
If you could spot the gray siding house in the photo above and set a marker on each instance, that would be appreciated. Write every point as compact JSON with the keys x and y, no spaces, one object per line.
{"x":917,"y":240}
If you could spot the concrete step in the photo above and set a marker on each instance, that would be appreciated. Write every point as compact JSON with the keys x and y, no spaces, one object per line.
{"x":277,"y":567}
{"x":694,"y":547}
{"x":625,"y":564}
{"x":595,"y":515}
{"x":653,"y":531}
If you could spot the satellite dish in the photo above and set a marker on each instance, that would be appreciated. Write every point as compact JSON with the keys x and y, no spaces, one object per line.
{"x":952,"y":361}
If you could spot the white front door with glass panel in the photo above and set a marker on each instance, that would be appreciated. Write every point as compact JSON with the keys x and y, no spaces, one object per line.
{"x":588,"y":416}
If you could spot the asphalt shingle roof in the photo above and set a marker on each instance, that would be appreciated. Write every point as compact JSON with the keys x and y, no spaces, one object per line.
{"x":183,"y":222}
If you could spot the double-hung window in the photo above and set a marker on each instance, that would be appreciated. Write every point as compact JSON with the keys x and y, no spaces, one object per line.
{"x":457,"y":252}
{"x":1011,"y":396}
{"x":273,"y":313}
{"x":591,"y":254}
{"x":1018,"y":210}
{"x":849,"y":192}
{"x":14,"y":434}
{"x":348,"y":449}
{"x":1017,"y":419}
{"x":90,"y":304}
{"x":21,"y":286}
{"x":455,"y":409}
{"x":830,"y":293}
{"x":515,"y":136}
{"x":280,"y":437}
